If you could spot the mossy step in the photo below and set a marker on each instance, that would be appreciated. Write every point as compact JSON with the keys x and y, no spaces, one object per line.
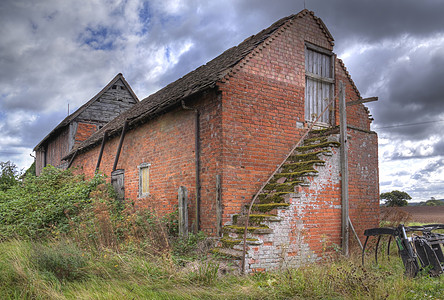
{"x":286,"y":186}
{"x":323,"y":132}
{"x":251,"y":229}
{"x":321,"y":145}
{"x":227,"y":253}
{"x":255,"y":219}
{"x":291,"y":167}
{"x":294,"y":175}
{"x":229,"y":242}
{"x":266,"y":207}
{"x":303,"y":163}
{"x":298,"y":157}
{"x":315,"y":140}
{"x":273,"y":197}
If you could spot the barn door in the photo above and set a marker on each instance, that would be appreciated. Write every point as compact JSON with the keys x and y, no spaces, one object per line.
{"x":319,"y":80}
{"x":117,"y":180}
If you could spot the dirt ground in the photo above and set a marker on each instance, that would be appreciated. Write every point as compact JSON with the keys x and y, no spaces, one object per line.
{"x":421,"y":214}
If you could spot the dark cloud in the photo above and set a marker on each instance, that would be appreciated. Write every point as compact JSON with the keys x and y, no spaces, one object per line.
{"x":52,"y":55}
{"x":371,"y":21}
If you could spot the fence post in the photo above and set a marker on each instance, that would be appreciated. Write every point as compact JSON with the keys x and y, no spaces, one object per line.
{"x":182,"y":195}
{"x":218,"y":206}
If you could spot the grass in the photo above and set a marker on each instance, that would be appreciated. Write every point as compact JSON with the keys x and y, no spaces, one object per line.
{"x":111,"y":275}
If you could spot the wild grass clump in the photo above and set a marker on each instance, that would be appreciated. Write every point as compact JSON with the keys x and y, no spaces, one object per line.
{"x":62,"y":259}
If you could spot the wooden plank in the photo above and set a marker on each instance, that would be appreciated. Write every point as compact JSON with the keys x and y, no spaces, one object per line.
{"x":344,"y":171}
{"x":182,"y":195}
{"x":360,"y":101}
{"x":319,"y":77}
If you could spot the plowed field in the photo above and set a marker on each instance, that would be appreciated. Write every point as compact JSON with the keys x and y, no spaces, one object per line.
{"x":423,"y":214}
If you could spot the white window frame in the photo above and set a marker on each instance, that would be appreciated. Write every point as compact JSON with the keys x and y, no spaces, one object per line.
{"x":309,"y":116}
{"x":142,"y":167}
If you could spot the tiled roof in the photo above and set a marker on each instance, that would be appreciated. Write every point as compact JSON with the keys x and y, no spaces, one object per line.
{"x":196,"y":81}
{"x":82,"y":108}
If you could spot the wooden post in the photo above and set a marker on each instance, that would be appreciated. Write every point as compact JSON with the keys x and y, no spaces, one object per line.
{"x":119,"y":148}
{"x":182,"y":195}
{"x":344,"y":170}
{"x":218,"y":206}
{"x":105,"y":136}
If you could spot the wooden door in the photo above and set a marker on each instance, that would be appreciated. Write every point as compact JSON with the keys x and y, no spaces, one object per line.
{"x":118,"y":182}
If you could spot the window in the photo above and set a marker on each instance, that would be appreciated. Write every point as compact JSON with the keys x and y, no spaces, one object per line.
{"x":319,"y":83}
{"x":144,"y":179}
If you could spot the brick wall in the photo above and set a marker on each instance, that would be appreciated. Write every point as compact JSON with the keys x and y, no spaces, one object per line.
{"x":309,"y":228}
{"x":84,"y":131}
{"x":168,"y":144}
{"x":262,"y":102}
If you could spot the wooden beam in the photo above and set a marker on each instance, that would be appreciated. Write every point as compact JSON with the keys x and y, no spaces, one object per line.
{"x":122,"y":137}
{"x":105,"y":136}
{"x":344,"y":170}
{"x":218,"y":206}
{"x":362,"y":100}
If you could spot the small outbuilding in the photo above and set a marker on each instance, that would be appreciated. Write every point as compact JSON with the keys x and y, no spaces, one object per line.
{"x":115,"y":98}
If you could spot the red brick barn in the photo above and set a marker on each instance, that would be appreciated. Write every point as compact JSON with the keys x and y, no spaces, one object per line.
{"x":223,"y":129}
{"x":116,"y":97}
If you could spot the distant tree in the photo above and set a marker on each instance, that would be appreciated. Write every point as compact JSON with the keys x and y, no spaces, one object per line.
{"x":8,"y":175}
{"x":395,"y":198}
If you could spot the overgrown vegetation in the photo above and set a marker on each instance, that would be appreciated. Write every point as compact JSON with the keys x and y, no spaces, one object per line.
{"x":64,"y":237}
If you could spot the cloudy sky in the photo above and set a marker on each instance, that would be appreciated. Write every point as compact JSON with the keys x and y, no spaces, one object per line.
{"x":54,"y":53}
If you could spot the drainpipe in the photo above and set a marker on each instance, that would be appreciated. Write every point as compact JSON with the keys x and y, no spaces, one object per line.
{"x":197,"y":161}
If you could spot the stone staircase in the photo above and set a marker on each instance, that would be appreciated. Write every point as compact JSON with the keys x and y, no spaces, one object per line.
{"x":295,"y":174}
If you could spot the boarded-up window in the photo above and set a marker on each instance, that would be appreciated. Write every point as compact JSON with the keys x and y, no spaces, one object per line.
{"x":144,"y":180}
{"x":319,"y":80}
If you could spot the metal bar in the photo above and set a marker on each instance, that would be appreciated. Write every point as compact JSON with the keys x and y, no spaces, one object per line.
{"x":354,"y":232}
{"x":363,"y":249}
{"x":377,"y":246}
{"x":388,"y":247}
{"x":119,"y":148}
